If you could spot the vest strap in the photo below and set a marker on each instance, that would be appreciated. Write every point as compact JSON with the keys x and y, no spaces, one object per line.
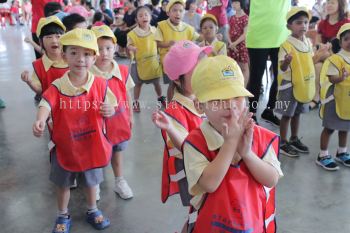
{"x":327,"y":100}
{"x":51,"y":145}
{"x":178,"y":176}
{"x":174,"y":151}
{"x":270,"y":219}
{"x":285,"y":86}
{"x":192,"y":217}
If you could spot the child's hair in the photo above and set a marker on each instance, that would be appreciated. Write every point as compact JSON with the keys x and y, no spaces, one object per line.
{"x":205,"y":20}
{"x":180,"y":87}
{"x":50,"y":29}
{"x":71,"y":20}
{"x":155,"y":2}
{"x":188,"y":4}
{"x":52,"y":8}
{"x":118,"y":10}
{"x":142,"y":7}
{"x":342,"y":9}
{"x":241,"y":2}
{"x":98,"y":16}
{"x":336,"y":42}
{"x":296,"y":16}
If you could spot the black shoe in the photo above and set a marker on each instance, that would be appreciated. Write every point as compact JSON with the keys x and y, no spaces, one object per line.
{"x":298,"y":145}
{"x":162,"y":100}
{"x":37,"y":98}
{"x":288,"y":150}
{"x":268,"y":116}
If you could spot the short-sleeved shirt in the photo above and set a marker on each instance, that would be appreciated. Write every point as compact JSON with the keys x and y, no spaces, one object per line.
{"x":38,"y":11}
{"x":332,"y":69}
{"x":218,"y":9}
{"x":178,"y":28}
{"x":65,"y":86}
{"x":329,"y":31}
{"x":110,"y":14}
{"x":129,"y":19}
{"x":195,"y":162}
{"x":194,"y":21}
{"x":115,"y":72}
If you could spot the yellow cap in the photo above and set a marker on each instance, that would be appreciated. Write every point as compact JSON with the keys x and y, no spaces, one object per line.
{"x":172,"y":2}
{"x":80,"y":37}
{"x":342,"y":29}
{"x":209,"y":16}
{"x":45,"y":21}
{"x":218,"y":78}
{"x":104,"y":30}
{"x":295,"y":10}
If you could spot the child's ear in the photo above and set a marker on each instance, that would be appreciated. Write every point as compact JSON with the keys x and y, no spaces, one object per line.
{"x":288,"y":26}
{"x":198,"y":106}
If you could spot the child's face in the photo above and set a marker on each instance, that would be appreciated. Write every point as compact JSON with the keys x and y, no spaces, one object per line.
{"x":209,"y":29}
{"x":332,"y":6}
{"x":79,"y":60}
{"x":51,"y":44}
{"x":176,"y":13}
{"x":143,"y":18}
{"x":106,"y":49}
{"x":299,"y":26}
{"x":164,"y":4}
{"x":193,"y":7}
{"x":236,"y":6}
{"x":220,"y":111}
{"x":345,"y":41}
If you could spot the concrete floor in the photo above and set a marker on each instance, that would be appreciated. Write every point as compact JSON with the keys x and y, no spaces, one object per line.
{"x":309,"y":199}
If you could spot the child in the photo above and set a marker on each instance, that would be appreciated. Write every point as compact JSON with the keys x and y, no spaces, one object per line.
{"x":238,"y":29}
{"x":118,"y":128}
{"x":73,"y":21}
{"x":296,"y":84}
{"x":51,"y":65}
{"x":209,"y":28}
{"x":171,"y":30}
{"x":141,"y":44}
{"x":87,"y":150}
{"x":231,"y":164}
{"x":180,"y":116}
{"x":335,"y":104}
{"x":98,"y":19}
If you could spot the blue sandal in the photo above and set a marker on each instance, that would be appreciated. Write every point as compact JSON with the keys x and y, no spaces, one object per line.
{"x":97,"y":220}
{"x":62,"y":225}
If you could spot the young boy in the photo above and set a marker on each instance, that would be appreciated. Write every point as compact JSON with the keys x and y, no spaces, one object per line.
{"x":171,"y":30}
{"x":51,"y":65}
{"x":118,"y":128}
{"x":231,"y":164}
{"x":78,"y":103}
{"x":296,"y":84}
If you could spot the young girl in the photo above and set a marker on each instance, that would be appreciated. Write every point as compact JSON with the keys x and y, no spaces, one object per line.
{"x":141,"y":44}
{"x":335,"y":104}
{"x":238,"y":29}
{"x":180,"y":117}
{"x":98,"y":19}
{"x":209,"y":29}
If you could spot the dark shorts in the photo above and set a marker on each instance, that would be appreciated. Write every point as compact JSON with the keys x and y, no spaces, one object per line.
{"x":120,"y":147}
{"x":166,"y":79}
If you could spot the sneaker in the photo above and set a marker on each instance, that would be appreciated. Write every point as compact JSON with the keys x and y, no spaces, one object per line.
{"x":2,"y":104}
{"x":62,"y":225}
{"x":97,"y":220}
{"x":136,"y":106}
{"x":98,"y":190}
{"x":343,"y":158}
{"x":298,"y":145}
{"x":327,"y":163}
{"x":162,"y":100}
{"x":122,"y":188}
{"x":288,"y":150}
{"x":268,"y":116}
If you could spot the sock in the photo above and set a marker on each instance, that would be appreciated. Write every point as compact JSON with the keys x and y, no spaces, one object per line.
{"x":63,"y":213}
{"x":92,"y":209}
{"x":323,"y":153}
{"x":119,"y":178}
{"x":342,"y":150}
{"x":292,"y":138}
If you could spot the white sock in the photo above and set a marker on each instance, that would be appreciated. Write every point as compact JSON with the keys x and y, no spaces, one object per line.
{"x":119,"y":178}
{"x":342,"y":150}
{"x":63,"y":213}
{"x":323,"y":153}
{"x":92,"y":209}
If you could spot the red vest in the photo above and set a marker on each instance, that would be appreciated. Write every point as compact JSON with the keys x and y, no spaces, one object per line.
{"x":78,"y":128}
{"x":47,"y":77}
{"x":173,"y":173}
{"x":118,"y":126}
{"x":240,"y":204}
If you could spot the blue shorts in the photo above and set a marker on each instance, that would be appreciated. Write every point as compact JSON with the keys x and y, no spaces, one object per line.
{"x":120,"y":147}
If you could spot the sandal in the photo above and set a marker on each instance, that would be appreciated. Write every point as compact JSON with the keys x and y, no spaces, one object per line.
{"x":62,"y":225}
{"x":97,"y":220}
{"x":314,"y":104}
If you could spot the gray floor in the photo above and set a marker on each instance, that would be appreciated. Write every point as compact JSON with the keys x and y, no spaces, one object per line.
{"x":309,"y":199}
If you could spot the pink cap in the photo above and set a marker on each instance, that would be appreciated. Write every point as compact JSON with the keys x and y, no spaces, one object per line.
{"x":182,"y":57}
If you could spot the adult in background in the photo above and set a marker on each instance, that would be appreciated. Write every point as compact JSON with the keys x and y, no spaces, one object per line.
{"x":191,"y":16}
{"x":107,"y":13}
{"x":163,"y":15}
{"x":266,"y":32}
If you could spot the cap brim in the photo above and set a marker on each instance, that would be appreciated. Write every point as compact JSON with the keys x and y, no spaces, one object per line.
{"x":75,"y":43}
{"x":224,"y":93}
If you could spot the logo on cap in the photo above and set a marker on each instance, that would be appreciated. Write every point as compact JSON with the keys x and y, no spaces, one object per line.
{"x":228,"y":72}
{"x":87,"y":37}
{"x":101,"y":30}
{"x":186,"y":45}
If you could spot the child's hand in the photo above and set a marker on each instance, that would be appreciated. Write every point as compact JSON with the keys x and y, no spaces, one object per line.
{"x":25,"y":76}
{"x":107,"y":110}
{"x":171,"y":43}
{"x":27,"y":39}
{"x":132,"y":48}
{"x":247,"y":137}
{"x":38,"y":128}
{"x":161,"y":120}
{"x":233,"y":128}
{"x":287,"y":59}
{"x":232,"y":46}
{"x":219,"y":36}
{"x":345,"y":74}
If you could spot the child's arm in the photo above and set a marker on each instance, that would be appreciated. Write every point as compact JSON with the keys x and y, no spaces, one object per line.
{"x":286,"y":62}
{"x":337,"y":79}
{"x":35,"y":45}
{"x":233,"y":44}
{"x":130,"y":110}
{"x":107,"y":108}
{"x":25,"y":78}
{"x":165,"y":44}
{"x":39,"y":124}
{"x":215,"y":171}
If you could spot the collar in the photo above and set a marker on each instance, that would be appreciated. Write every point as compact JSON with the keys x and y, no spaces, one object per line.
{"x":186,"y":102}
{"x":48,"y":63}
{"x":213,"y":138}
{"x":345,"y":55}
{"x":303,"y":46}
{"x":115,"y":72}
{"x":67,"y":88}
{"x":177,"y":28}
{"x":142,"y":33}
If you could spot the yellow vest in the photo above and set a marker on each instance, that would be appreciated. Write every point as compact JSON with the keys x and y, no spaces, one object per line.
{"x":146,"y":56}
{"x":341,"y":90}
{"x":218,"y":46}
{"x":302,"y":74}
{"x":324,"y":85}
{"x":169,"y":33}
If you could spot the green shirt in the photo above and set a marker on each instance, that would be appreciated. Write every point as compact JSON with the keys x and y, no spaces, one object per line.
{"x":267,"y":26}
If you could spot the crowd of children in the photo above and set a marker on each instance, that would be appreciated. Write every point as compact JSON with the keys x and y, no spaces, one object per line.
{"x":215,"y":155}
